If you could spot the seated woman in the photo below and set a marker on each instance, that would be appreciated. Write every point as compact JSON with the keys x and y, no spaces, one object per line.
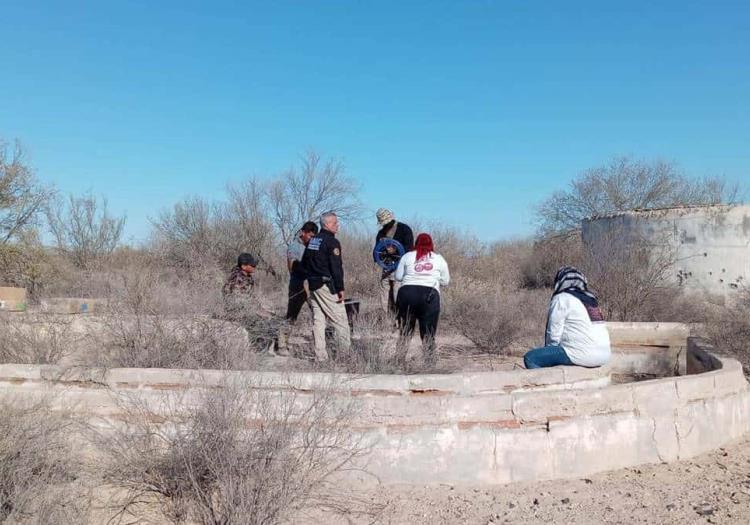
{"x":576,"y":333}
{"x":421,"y":273}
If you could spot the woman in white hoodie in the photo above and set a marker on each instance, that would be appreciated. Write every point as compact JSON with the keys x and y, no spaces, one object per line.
{"x":421,"y":273}
{"x":576,"y":333}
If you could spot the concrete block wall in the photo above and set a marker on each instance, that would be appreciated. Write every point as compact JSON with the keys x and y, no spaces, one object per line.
{"x":472,"y":428}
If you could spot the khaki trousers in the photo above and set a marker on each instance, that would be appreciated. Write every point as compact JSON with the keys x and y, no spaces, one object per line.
{"x":388,"y":294}
{"x":326,"y":308}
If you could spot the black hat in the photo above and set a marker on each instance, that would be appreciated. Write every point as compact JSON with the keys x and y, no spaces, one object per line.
{"x":247,"y":259}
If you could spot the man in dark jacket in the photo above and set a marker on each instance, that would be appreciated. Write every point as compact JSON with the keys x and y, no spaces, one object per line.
{"x":297,"y":282}
{"x":325,"y":276}
{"x":398,"y":231}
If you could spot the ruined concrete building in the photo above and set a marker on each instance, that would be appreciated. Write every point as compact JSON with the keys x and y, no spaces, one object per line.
{"x":709,"y":245}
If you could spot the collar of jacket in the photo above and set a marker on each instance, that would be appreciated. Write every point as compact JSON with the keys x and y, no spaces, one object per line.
{"x":324,"y":232}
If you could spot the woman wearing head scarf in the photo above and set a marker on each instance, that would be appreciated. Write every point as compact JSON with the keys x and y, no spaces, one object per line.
{"x":576,"y":333}
{"x":421,"y":272}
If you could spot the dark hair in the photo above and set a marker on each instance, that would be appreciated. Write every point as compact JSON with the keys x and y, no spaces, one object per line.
{"x":246,"y":258}
{"x":309,"y":226}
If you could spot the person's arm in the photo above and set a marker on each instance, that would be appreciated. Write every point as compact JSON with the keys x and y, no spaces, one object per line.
{"x":336,"y":268}
{"x":400,"y":269}
{"x":445,"y":276}
{"x":556,"y":316}
{"x":408,"y":240}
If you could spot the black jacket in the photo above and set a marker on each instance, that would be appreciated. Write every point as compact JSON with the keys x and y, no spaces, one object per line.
{"x":322,"y":262}
{"x":403,"y":234}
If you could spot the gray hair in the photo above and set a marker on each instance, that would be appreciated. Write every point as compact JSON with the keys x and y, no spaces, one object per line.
{"x":325,"y":218}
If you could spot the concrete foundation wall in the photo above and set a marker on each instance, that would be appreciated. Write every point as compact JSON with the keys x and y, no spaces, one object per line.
{"x":473,"y":428}
{"x":711,"y":244}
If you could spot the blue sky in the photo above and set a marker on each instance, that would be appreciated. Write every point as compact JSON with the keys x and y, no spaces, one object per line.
{"x":469,"y":113}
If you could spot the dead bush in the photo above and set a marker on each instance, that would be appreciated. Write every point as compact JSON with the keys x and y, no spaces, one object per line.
{"x":237,"y":454}
{"x":630,"y":276}
{"x":38,"y":467}
{"x":83,"y":228}
{"x":493,"y":319}
{"x":728,"y":328}
{"x":35,"y":340}
{"x":160,"y":316}
{"x":627,"y":184}
{"x":547,"y":255}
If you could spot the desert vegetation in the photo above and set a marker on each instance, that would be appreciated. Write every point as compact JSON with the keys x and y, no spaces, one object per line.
{"x":164,"y":306}
{"x":219,"y":455}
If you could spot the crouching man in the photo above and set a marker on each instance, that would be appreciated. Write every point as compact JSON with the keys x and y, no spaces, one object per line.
{"x":325,"y":276}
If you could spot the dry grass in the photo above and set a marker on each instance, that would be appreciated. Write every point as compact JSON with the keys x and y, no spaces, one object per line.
{"x":728,"y":328}
{"x":35,"y":340}
{"x":237,"y":454}
{"x":38,"y":467}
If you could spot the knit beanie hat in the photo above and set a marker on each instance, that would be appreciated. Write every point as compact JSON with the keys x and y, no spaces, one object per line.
{"x":246,"y":258}
{"x":384,"y":216}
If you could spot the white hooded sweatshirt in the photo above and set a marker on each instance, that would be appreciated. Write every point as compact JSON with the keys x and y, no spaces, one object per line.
{"x":569,"y":326}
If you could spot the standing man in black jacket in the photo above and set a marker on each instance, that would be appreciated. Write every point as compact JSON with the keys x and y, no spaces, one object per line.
{"x":398,"y":231}
{"x":325,"y":277}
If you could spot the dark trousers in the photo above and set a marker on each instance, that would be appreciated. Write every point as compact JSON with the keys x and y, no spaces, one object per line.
{"x":297,"y":299}
{"x":419,"y":303}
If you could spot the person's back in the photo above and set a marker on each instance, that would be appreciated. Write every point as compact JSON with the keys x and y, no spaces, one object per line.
{"x":576,"y":333}
{"x":585,"y":341}
{"x":431,"y":270}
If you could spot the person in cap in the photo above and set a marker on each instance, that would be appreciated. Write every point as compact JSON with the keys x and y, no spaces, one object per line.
{"x":239,"y":286}
{"x":576,"y":333}
{"x":325,"y":277}
{"x":240,"y":280}
{"x":297,"y":296}
{"x":392,"y":229}
{"x":421,"y":273}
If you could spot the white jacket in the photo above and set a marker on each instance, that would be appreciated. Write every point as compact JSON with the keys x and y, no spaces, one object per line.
{"x":429,"y":271}
{"x":569,"y":326}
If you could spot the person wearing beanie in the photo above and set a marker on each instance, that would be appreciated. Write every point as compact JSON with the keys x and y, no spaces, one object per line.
{"x":421,"y":272}
{"x":241,"y":278}
{"x":398,"y":231}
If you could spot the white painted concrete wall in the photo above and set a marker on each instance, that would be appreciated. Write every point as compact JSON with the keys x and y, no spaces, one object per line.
{"x":711,"y":243}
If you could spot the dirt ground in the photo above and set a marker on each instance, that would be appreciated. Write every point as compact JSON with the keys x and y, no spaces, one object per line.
{"x":712,"y":488}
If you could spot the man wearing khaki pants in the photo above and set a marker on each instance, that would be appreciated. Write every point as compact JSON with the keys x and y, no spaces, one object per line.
{"x":325,"y":276}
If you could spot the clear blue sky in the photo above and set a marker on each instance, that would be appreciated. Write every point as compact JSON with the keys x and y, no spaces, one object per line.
{"x":467,"y":112}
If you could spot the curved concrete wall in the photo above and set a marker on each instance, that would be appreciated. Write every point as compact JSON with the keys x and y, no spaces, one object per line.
{"x":711,"y":244}
{"x":493,"y":427}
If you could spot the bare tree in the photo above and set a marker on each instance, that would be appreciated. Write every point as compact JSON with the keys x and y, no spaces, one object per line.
{"x":84,"y":229}
{"x":302,"y":194}
{"x":236,"y":454}
{"x":626,"y":184}
{"x":22,"y":198}
{"x":630,"y":274}
{"x":197,"y":232}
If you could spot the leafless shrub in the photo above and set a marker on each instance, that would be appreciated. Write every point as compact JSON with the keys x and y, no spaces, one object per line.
{"x":239,"y":454}
{"x":34,"y":340}
{"x":493,"y":320}
{"x":197,"y":233}
{"x":26,"y":263}
{"x":629,"y":275}
{"x":22,"y":198}
{"x":160,"y":320}
{"x":301,"y":195}
{"x":627,"y":184}
{"x":38,"y":467}
{"x":547,"y":255}
{"x":362,"y":274}
{"x":728,"y":327}
{"x":84,"y":229}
